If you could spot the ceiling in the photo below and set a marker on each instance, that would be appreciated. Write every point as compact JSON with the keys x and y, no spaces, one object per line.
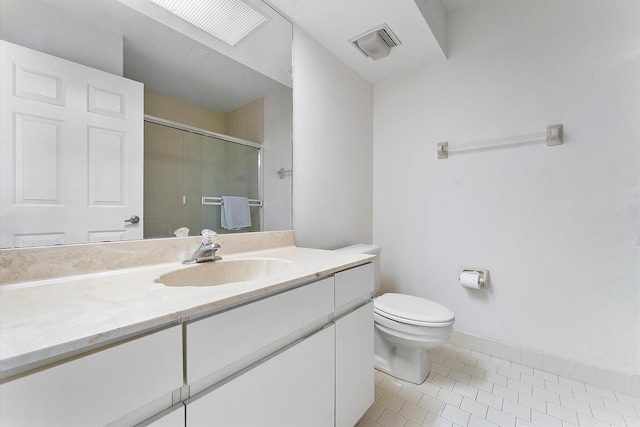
{"x":178,"y":66}
{"x":419,"y":24}
{"x":165,"y":60}
{"x":451,"y":5}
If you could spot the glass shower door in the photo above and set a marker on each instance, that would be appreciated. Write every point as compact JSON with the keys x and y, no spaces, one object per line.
{"x":186,"y":174}
{"x":230,"y":169}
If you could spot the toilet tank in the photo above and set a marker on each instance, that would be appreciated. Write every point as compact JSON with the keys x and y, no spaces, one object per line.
{"x":368,"y":250}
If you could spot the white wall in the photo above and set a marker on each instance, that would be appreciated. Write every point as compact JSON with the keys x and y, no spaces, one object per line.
{"x":554,"y":225}
{"x":277,"y":153}
{"x":332,"y":152}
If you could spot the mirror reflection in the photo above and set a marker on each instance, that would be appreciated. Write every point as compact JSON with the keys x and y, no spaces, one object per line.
{"x":191,"y":81}
{"x":186,"y":174}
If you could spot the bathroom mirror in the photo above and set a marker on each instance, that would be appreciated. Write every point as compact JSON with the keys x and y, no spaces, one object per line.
{"x":179,"y":63}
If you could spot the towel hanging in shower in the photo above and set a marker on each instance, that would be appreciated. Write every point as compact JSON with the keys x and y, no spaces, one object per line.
{"x":235,"y":213}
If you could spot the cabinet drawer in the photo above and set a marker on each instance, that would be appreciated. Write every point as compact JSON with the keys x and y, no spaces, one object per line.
{"x":224,"y":339}
{"x":98,"y":388}
{"x":353,"y":286}
{"x":174,"y":417}
{"x":293,"y":388}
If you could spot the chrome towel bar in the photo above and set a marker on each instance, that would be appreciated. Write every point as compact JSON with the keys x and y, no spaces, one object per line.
{"x":217,"y":201}
{"x":552,"y":136}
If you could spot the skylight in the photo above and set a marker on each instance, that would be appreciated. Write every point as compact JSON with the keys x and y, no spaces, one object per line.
{"x":228,"y":20}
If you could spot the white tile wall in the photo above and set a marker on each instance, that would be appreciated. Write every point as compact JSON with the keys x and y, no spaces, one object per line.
{"x":629,"y":384}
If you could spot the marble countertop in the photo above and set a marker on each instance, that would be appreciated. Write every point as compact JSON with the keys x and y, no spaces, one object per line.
{"x":48,"y":320}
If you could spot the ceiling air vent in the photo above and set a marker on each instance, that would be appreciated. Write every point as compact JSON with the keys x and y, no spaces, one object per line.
{"x":376,"y":43}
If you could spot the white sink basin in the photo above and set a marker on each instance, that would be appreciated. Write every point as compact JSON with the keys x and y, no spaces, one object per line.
{"x":222,"y":272}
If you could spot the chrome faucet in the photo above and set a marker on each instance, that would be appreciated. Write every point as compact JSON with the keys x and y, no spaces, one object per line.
{"x":207,"y":250}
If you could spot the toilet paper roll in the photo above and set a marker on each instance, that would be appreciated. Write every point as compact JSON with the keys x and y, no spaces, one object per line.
{"x":470,"y":279}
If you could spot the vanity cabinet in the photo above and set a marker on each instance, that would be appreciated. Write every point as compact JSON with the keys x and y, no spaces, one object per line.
{"x":302,"y":357}
{"x":130,"y":381}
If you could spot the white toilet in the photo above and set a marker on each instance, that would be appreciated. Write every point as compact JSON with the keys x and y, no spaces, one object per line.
{"x":405,"y":327}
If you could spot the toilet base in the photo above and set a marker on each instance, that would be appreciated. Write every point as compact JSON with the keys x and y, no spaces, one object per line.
{"x":402,"y":362}
{"x":412,"y":374}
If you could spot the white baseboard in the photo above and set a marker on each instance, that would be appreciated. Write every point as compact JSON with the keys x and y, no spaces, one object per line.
{"x":601,"y":377}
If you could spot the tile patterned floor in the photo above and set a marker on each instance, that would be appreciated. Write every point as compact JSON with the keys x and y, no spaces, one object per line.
{"x":467,"y":388}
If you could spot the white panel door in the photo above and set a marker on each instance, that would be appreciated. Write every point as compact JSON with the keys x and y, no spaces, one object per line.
{"x":71,"y":151}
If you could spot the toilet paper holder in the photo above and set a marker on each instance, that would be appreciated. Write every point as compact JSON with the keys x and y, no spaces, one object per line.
{"x":483,"y":275}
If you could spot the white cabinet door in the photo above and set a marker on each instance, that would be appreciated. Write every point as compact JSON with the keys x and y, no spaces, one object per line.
{"x":291,"y":389}
{"x":237,"y":337}
{"x":98,"y":388}
{"x":354,"y":365}
{"x":71,"y":151}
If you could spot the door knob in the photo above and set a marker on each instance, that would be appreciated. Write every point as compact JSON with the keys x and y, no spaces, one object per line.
{"x":133,"y":220}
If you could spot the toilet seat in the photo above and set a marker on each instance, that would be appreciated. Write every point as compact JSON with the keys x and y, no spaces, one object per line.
{"x":413,"y":310}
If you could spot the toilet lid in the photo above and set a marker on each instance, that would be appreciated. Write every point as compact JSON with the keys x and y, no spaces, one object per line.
{"x":413,"y":310}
